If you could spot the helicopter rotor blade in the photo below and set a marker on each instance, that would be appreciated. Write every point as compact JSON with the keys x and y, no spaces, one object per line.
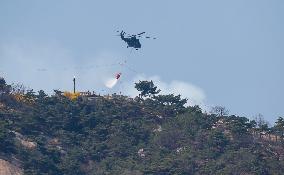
{"x":148,"y":37}
{"x":141,"y":33}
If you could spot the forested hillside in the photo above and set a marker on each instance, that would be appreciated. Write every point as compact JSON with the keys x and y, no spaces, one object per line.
{"x":150,"y":134}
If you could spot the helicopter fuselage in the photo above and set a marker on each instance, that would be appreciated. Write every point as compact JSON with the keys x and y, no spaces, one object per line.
{"x":131,"y":41}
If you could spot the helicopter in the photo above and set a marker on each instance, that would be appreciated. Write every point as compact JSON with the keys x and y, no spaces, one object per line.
{"x":132,"y":40}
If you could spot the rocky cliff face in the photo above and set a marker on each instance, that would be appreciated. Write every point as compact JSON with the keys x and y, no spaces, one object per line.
{"x":7,"y":168}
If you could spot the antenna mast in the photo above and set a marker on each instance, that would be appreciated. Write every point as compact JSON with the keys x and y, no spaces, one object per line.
{"x":74,"y":82}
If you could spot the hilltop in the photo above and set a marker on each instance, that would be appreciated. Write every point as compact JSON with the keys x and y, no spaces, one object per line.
{"x":149,"y":134}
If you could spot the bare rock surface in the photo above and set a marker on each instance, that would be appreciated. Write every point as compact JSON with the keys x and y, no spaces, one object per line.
{"x":7,"y":168}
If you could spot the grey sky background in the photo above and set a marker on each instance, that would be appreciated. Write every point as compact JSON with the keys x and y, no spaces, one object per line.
{"x":213,"y":52}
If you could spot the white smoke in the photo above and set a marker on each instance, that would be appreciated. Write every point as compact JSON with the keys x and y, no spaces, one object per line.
{"x":193,"y":93}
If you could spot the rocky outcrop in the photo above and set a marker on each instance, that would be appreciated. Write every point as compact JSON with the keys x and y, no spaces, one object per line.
{"x":7,"y":168}
{"x":24,"y":141}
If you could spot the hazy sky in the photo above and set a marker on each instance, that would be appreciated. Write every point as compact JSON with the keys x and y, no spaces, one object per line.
{"x":213,"y":52}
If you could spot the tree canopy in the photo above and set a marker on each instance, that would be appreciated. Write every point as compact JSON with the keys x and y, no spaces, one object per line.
{"x":146,"y":88}
{"x":120,"y":135}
